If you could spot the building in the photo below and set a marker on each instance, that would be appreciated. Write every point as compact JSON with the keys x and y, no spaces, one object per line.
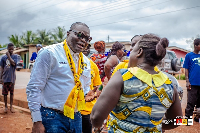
{"x":180,"y":52}
{"x":109,"y":45}
{"x":23,"y":52}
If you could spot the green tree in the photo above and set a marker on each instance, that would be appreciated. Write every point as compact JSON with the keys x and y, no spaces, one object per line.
{"x":15,"y":40}
{"x":59,"y":34}
{"x":191,"y":41}
{"x":28,"y":37}
{"x":44,"y":37}
{"x":3,"y":45}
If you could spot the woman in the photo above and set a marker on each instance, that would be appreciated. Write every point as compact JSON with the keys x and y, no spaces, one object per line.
{"x":99,"y":58}
{"x":117,"y":52}
{"x":139,"y":97}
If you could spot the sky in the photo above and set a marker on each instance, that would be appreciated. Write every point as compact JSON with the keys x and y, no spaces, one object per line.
{"x":177,"y":20}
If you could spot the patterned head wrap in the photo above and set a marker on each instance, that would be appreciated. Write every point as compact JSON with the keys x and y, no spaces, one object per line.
{"x":99,"y":46}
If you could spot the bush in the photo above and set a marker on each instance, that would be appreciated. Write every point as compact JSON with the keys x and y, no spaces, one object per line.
{"x":182,"y":77}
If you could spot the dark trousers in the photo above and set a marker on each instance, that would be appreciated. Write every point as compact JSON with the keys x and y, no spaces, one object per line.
{"x":193,"y":98}
{"x":86,"y":124}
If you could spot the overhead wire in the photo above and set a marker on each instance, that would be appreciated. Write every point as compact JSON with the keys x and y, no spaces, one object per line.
{"x":148,"y":16}
{"x":37,"y":5}
{"x":49,"y":22}
{"x":60,"y":20}
{"x":89,"y":10}
{"x":78,"y":15}
{"x":16,"y":7}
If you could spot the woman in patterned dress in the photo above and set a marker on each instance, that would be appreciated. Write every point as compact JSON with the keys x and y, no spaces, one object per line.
{"x":138,"y":97}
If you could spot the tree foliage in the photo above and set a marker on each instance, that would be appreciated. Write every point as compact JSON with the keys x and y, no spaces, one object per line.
{"x":15,"y":40}
{"x":44,"y":37}
{"x":59,"y":34}
{"x":28,"y":37}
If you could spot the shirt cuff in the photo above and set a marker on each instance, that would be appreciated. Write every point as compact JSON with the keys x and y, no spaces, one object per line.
{"x":36,"y":116}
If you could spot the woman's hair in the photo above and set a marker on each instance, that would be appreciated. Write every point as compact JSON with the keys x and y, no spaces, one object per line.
{"x":154,"y":48}
{"x":136,"y":36}
{"x":197,"y":41}
{"x":116,"y":46}
{"x":99,"y":46}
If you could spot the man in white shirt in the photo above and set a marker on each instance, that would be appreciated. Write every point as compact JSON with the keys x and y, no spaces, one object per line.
{"x":60,"y":77}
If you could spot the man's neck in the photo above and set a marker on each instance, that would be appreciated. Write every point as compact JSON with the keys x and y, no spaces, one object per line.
{"x":195,"y":51}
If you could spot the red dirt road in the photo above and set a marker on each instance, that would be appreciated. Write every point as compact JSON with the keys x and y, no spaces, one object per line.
{"x":20,"y":122}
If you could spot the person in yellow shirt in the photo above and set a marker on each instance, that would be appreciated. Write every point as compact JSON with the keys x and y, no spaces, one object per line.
{"x":95,"y":83}
{"x":124,"y":63}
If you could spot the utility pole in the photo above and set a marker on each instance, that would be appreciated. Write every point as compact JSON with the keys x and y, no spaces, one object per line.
{"x":108,"y":38}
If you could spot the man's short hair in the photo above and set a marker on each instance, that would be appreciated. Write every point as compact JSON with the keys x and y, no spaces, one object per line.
{"x":77,"y":23}
{"x":39,"y":45}
{"x":197,"y":41}
{"x":10,"y":44}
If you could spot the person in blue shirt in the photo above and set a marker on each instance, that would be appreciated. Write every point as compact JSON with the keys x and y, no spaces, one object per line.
{"x":192,"y":75}
{"x":34,"y":54}
{"x":7,"y":75}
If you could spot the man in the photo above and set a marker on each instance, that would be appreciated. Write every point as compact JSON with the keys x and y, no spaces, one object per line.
{"x":95,"y":83}
{"x":192,"y":75}
{"x":59,"y":92}
{"x":7,"y":75}
{"x":34,"y":54}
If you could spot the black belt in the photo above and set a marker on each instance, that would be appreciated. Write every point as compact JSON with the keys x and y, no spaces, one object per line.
{"x":56,"y":110}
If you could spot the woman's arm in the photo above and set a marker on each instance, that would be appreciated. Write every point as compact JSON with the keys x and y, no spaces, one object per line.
{"x":107,"y":100}
{"x":110,"y":63}
{"x":174,"y":111}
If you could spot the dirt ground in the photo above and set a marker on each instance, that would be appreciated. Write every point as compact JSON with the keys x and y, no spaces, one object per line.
{"x":20,"y":122}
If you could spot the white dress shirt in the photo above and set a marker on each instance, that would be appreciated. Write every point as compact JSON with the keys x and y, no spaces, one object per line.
{"x":52,"y":80}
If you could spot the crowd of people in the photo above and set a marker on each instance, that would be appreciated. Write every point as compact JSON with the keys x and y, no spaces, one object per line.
{"x":68,"y":95}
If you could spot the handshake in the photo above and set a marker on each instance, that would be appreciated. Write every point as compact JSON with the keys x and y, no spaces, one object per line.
{"x":92,"y":94}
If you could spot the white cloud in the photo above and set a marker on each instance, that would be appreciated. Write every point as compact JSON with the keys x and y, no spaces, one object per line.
{"x":119,"y":19}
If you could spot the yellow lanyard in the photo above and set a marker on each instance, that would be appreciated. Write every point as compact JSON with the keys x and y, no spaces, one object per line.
{"x":76,"y":95}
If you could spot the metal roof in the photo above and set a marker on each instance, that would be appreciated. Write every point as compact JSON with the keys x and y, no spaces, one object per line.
{"x":16,"y":50}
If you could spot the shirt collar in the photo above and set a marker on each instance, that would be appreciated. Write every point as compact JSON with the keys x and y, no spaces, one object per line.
{"x":73,"y":54}
{"x":158,"y":79}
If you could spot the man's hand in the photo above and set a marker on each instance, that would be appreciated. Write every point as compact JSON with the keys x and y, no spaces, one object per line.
{"x":38,"y":127}
{"x":90,"y":96}
{"x":1,"y":81}
{"x":7,"y":53}
{"x":97,"y":94}
{"x":197,"y":111}
{"x":188,"y":85}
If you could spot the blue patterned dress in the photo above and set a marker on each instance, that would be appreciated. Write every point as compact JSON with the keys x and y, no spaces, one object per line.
{"x":143,"y":102}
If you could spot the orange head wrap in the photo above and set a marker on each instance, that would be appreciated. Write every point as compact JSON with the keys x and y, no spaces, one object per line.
{"x":99,"y":46}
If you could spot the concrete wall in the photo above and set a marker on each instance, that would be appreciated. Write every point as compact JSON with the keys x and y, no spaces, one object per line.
{"x":179,"y":53}
{"x":31,"y":50}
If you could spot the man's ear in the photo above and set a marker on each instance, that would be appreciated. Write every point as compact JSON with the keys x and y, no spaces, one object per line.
{"x":140,"y":52}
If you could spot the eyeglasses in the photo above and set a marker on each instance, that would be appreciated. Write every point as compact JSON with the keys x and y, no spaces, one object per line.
{"x":81,"y":35}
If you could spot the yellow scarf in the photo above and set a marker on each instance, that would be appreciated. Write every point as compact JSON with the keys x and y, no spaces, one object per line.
{"x":77,"y":94}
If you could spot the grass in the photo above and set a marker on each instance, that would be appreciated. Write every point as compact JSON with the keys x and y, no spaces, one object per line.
{"x":182,"y":77}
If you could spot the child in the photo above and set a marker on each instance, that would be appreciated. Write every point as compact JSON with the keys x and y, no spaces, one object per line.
{"x":139,"y":97}
{"x":7,"y":75}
